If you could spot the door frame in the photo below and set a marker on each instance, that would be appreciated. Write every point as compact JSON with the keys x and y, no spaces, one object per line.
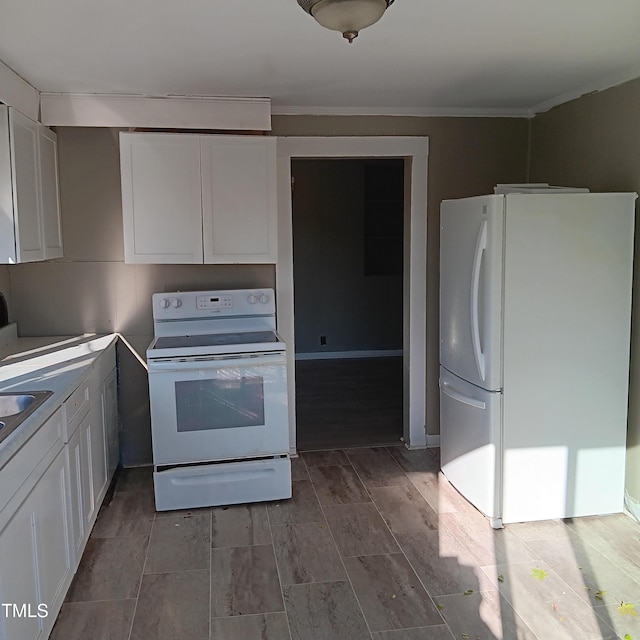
{"x":415,"y":151}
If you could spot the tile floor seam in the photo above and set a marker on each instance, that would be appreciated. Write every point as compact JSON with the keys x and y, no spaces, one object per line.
{"x":548,"y":569}
{"x":557,"y":574}
{"x":618,"y":565}
{"x":402,"y":550}
{"x":248,"y":546}
{"x":275,"y":555}
{"x":144,"y":564}
{"x":586,"y":602}
{"x":344,"y":568}
{"x":159,"y":573}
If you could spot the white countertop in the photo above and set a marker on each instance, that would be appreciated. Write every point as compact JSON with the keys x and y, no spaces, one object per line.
{"x":54,"y":363}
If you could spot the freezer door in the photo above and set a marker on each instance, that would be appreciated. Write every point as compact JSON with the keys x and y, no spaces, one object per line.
{"x":470,"y":423}
{"x":471,"y":232}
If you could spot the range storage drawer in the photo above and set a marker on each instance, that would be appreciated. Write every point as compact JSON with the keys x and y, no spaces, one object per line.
{"x":223,"y":483}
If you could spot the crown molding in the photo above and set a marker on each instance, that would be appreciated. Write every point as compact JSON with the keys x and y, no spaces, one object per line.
{"x":418,"y":112}
{"x":594,"y":87}
{"x":161,"y":112}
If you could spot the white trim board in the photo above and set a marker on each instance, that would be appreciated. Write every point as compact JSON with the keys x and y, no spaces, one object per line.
{"x":347,"y":355}
{"x":417,"y":112}
{"x":433,"y":441}
{"x":415,"y":150}
{"x":170,"y":112}
{"x":18,"y":93}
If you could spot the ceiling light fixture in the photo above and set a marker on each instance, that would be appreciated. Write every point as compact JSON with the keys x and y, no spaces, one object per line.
{"x":346,"y":16}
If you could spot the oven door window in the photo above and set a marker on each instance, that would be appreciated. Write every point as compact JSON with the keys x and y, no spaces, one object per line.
{"x":229,"y":401}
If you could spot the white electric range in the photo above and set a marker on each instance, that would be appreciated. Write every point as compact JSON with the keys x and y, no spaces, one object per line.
{"x":218,"y":394}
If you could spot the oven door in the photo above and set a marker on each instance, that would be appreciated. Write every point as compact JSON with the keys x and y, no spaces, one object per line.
{"x":219,"y":408}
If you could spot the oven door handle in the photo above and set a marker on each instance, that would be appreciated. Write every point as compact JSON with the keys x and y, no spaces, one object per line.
{"x":185,"y":364}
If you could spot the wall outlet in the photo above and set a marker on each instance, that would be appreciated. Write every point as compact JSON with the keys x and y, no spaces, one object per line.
{"x":323,"y":341}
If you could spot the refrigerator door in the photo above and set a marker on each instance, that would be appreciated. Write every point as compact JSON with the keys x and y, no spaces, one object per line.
{"x":471,"y":255}
{"x":567,"y":316}
{"x":470,"y":426}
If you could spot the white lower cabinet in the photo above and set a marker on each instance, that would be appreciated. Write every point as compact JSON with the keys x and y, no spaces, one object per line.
{"x":35,"y":554}
{"x":52,"y":539}
{"x":80,"y":489}
{"x":50,"y":493}
{"x":18,"y":577}
{"x":88,"y":451}
{"x":96,"y":440}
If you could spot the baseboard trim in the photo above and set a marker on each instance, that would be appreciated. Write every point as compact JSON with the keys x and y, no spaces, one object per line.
{"x":337,"y":355}
{"x":433,"y":441}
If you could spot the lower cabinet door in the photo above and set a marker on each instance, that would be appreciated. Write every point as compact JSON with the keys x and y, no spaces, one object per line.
{"x":18,"y":576}
{"x":98,"y":451}
{"x":76,"y":494}
{"x":52,"y":539}
{"x":81,"y":492}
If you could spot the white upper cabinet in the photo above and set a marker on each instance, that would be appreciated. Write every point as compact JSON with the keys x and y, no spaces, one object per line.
{"x":30,"y":227}
{"x":239,"y":198}
{"x":51,"y":224}
{"x":190,"y":198}
{"x":161,"y":198}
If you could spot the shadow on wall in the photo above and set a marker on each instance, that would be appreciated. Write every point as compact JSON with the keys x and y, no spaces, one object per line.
{"x":133,"y":403}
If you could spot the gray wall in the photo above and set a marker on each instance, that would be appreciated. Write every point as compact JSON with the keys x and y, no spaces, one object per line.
{"x":5,"y":287}
{"x":333,"y":297}
{"x":92,"y":290}
{"x":594,"y":142}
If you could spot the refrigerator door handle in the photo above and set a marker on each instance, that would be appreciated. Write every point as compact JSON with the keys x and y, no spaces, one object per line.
{"x":481,"y":245}
{"x":448,"y":390}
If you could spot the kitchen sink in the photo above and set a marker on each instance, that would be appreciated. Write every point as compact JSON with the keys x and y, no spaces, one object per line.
{"x":15,"y":408}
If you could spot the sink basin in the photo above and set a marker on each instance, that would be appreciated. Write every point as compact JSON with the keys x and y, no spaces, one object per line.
{"x":15,"y":408}
{"x":10,"y":405}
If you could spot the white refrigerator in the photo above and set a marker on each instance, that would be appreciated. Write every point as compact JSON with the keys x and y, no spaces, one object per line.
{"x":535,"y":318}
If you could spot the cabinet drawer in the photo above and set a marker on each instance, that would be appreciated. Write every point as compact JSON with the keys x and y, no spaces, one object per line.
{"x":75,"y":408}
{"x":15,"y":473}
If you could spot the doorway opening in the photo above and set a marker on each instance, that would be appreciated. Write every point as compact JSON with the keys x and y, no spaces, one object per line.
{"x":348,"y":239}
{"x":414,"y":152}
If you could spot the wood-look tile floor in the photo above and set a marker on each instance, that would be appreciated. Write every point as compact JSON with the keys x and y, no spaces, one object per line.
{"x":348,"y":402}
{"x":374,"y":545}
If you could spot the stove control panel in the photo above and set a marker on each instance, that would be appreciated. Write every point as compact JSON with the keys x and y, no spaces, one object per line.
{"x":214,"y":302}
{"x":200,"y":305}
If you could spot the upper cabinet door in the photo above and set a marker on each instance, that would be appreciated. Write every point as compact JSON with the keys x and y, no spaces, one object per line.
{"x":51,"y":225}
{"x":161,"y":198}
{"x":23,"y":135}
{"x":239,"y":199}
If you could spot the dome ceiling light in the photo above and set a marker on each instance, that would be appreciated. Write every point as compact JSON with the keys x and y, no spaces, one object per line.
{"x":346,"y":16}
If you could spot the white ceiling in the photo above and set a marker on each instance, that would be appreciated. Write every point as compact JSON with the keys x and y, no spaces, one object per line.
{"x":423,"y":56}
